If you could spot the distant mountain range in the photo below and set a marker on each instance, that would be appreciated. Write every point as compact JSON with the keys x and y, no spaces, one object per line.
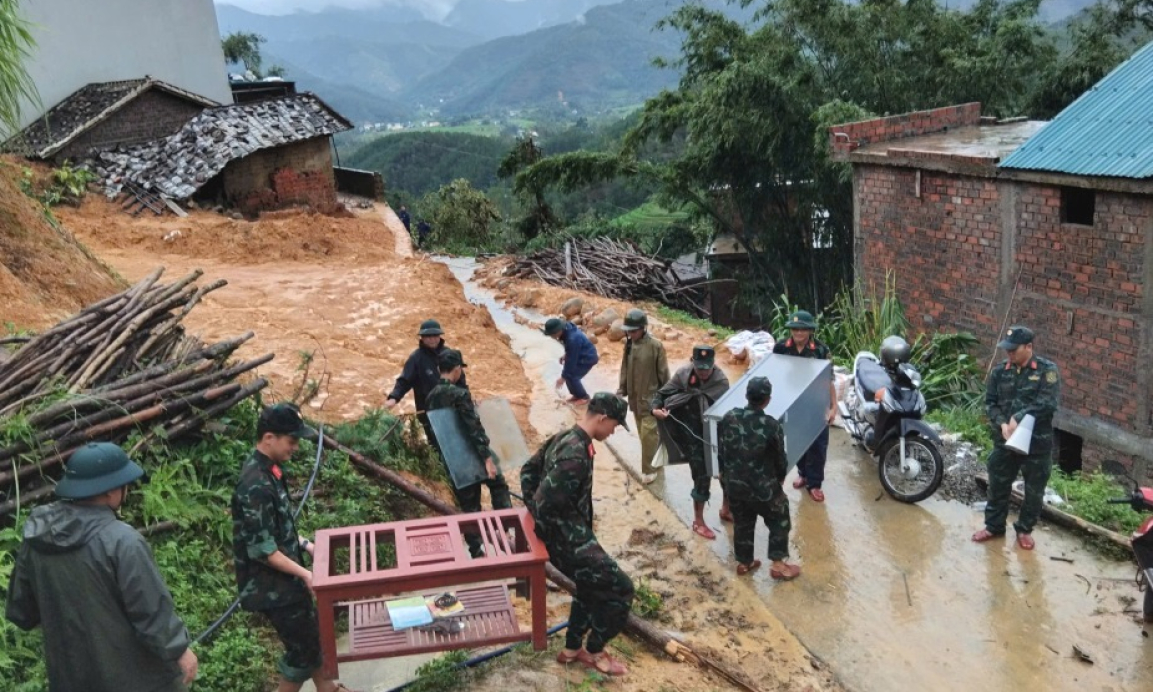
{"x":388,"y":63}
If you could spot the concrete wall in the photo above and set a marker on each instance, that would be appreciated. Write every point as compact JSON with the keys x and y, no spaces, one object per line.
{"x":298,"y":173}
{"x":957,"y":249}
{"x":152,"y":115}
{"x":80,"y":42}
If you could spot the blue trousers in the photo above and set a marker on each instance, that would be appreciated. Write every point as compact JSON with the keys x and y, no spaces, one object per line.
{"x":573,"y":380}
{"x":812,"y":464}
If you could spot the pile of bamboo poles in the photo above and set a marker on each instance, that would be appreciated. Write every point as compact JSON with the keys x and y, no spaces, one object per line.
{"x":611,"y":268}
{"x":122,"y":365}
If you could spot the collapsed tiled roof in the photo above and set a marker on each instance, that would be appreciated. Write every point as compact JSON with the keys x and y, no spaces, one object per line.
{"x":180,"y":164}
{"x":85,"y":108}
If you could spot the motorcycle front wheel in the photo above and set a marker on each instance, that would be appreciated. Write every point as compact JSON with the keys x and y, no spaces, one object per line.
{"x":910,"y":485}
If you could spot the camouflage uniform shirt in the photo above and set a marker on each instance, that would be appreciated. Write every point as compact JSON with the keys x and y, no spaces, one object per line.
{"x":1033,"y":389}
{"x":262,"y":524}
{"x":557,"y":483}
{"x":448,"y":395}
{"x":752,"y":448}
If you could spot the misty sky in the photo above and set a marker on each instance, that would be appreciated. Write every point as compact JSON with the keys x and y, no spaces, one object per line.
{"x":431,"y":8}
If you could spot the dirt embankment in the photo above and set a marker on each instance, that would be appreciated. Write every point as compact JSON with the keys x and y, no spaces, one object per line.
{"x":45,"y":275}
{"x":309,"y":283}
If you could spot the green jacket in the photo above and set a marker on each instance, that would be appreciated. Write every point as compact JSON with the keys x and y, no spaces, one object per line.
{"x":448,"y":395}
{"x":644,"y":370}
{"x":687,"y":398}
{"x":90,"y":582}
{"x":1034,"y":389}
{"x":752,"y":451}
{"x":262,"y":523}
{"x":557,"y":484}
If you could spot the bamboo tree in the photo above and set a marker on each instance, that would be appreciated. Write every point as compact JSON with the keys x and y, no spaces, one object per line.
{"x":17,"y":89}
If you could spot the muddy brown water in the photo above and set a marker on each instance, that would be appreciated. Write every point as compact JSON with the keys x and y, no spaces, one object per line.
{"x":896,"y":597}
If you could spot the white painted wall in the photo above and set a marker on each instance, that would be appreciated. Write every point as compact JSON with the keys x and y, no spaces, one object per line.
{"x":84,"y":41}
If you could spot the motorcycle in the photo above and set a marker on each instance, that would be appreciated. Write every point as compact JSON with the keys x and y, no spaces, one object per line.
{"x":883,"y":414}
{"x":1140,"y":500}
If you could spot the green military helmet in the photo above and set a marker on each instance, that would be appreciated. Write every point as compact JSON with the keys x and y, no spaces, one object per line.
{"x":430,"y":328}
{"x":801,"y":319}
{"x":704,"y":357}
{"x":96,"y":468}
{"x":554,"y":326}
{"x":612,"y":406}
{"x":635,"y":319}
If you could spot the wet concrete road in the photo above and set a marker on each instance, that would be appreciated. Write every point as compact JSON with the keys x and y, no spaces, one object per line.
{"x":896,"y":597}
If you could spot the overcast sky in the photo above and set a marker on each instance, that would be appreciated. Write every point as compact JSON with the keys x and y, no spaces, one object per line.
{"x":432,"y":8}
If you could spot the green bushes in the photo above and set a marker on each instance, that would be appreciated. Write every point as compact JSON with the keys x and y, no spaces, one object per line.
{"x":1086,"y":496}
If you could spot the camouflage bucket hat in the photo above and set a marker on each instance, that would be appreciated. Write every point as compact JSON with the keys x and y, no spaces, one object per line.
{"x":758,"y":389}
{"x":450,"y":358}
{"x":610,"y":405}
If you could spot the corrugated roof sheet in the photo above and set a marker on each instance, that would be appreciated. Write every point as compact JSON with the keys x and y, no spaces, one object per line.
{"x":1108,"y":131}
{"x":85,"y":108}
{"x":179,"y":165}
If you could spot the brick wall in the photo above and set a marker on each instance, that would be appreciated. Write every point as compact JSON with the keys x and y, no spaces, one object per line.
{"x":298,"y":173}
{"x":958,"y":249}
{"x":947,"y":239}
{"x":151,"y":115}
{"x":844,"y":138}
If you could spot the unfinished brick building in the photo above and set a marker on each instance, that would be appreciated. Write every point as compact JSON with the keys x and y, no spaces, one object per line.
{"x":987,"y":222}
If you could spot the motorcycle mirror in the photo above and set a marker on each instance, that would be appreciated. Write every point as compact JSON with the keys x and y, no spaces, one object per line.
{"x":1116,"y":469}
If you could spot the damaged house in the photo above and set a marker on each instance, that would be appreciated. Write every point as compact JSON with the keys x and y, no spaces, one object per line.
{"x":986,"y":223}
{"x":252,"y":156}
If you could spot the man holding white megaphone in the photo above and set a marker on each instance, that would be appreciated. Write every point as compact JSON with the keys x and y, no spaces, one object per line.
{"x":1021,"y":397}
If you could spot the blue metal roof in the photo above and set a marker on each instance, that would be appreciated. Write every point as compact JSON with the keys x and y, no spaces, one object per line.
{"x":1108,"y":131}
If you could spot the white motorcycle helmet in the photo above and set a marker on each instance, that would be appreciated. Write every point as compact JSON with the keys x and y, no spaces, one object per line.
{"x":894,"y":351}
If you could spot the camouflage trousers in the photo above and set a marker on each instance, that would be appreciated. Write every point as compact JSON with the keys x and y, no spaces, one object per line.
{"x":1003,"y":469}
{"x":775,"y":513}
{"x":299,"y":631}
{"x":650,"y":439}
{"x":702,"y":480}
{"x":604,"y":593}
{"x":469,"y":501}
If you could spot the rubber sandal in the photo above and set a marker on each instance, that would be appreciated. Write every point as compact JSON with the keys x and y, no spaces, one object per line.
{"x":567,"y":658}
{"x":817,"y":494}
{"x":799,"y":482}
{"x":743,"y":569}
{"x":1025,"y":541}
{"x":704,"y":531}
{"x":986,"y":535}
{"x":604,"y":664}
{"x":726,"y":515}
{"x":789,"y":573}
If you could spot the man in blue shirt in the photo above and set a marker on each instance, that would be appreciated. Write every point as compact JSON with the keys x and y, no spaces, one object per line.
{"x":579,"y":357}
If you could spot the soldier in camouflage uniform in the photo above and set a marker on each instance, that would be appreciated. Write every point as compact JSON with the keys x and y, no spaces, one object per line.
{"x":1022,"y":385}
{"x":269,"y":554}
{"x":557,"y":483}
{"x":448,"y":395}
{"x":752,"y":448}
{"x":680,"y":407}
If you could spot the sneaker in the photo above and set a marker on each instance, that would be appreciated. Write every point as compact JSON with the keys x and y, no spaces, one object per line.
{"x":648,"y":478}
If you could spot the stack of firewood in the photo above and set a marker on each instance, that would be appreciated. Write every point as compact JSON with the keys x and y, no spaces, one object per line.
{"x":609,"y":268}
{"x":122,"y":365}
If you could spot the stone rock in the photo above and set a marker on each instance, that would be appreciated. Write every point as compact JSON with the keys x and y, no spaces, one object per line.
{"x":616,"y":331}
{"x":578,"y":320}
{"x":593,"y":339}
{"x":530,"y":298}
{"x":572,"y":307}
{"x":607,"y":318}
{"x":503,"y":284}
{"x":672,"y":336}
{"x":712,"y":332}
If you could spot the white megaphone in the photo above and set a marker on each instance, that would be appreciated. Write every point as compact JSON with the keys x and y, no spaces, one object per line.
{"x":1019,"y":441}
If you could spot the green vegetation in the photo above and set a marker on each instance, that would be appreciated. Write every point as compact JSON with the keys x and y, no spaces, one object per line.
{"x":1086,"y":495}
{"x":648,"y":603}
{"x":967,"y":420}
{"x":17,"y":89}
{"x":443,"y":674}
{"x":683,"y":319}
{"x":416,"y":164}
{"x":191,"y":485}
{"x":244,"y":48}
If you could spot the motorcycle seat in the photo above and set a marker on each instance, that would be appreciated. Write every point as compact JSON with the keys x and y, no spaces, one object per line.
{"x":871,"y":376}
